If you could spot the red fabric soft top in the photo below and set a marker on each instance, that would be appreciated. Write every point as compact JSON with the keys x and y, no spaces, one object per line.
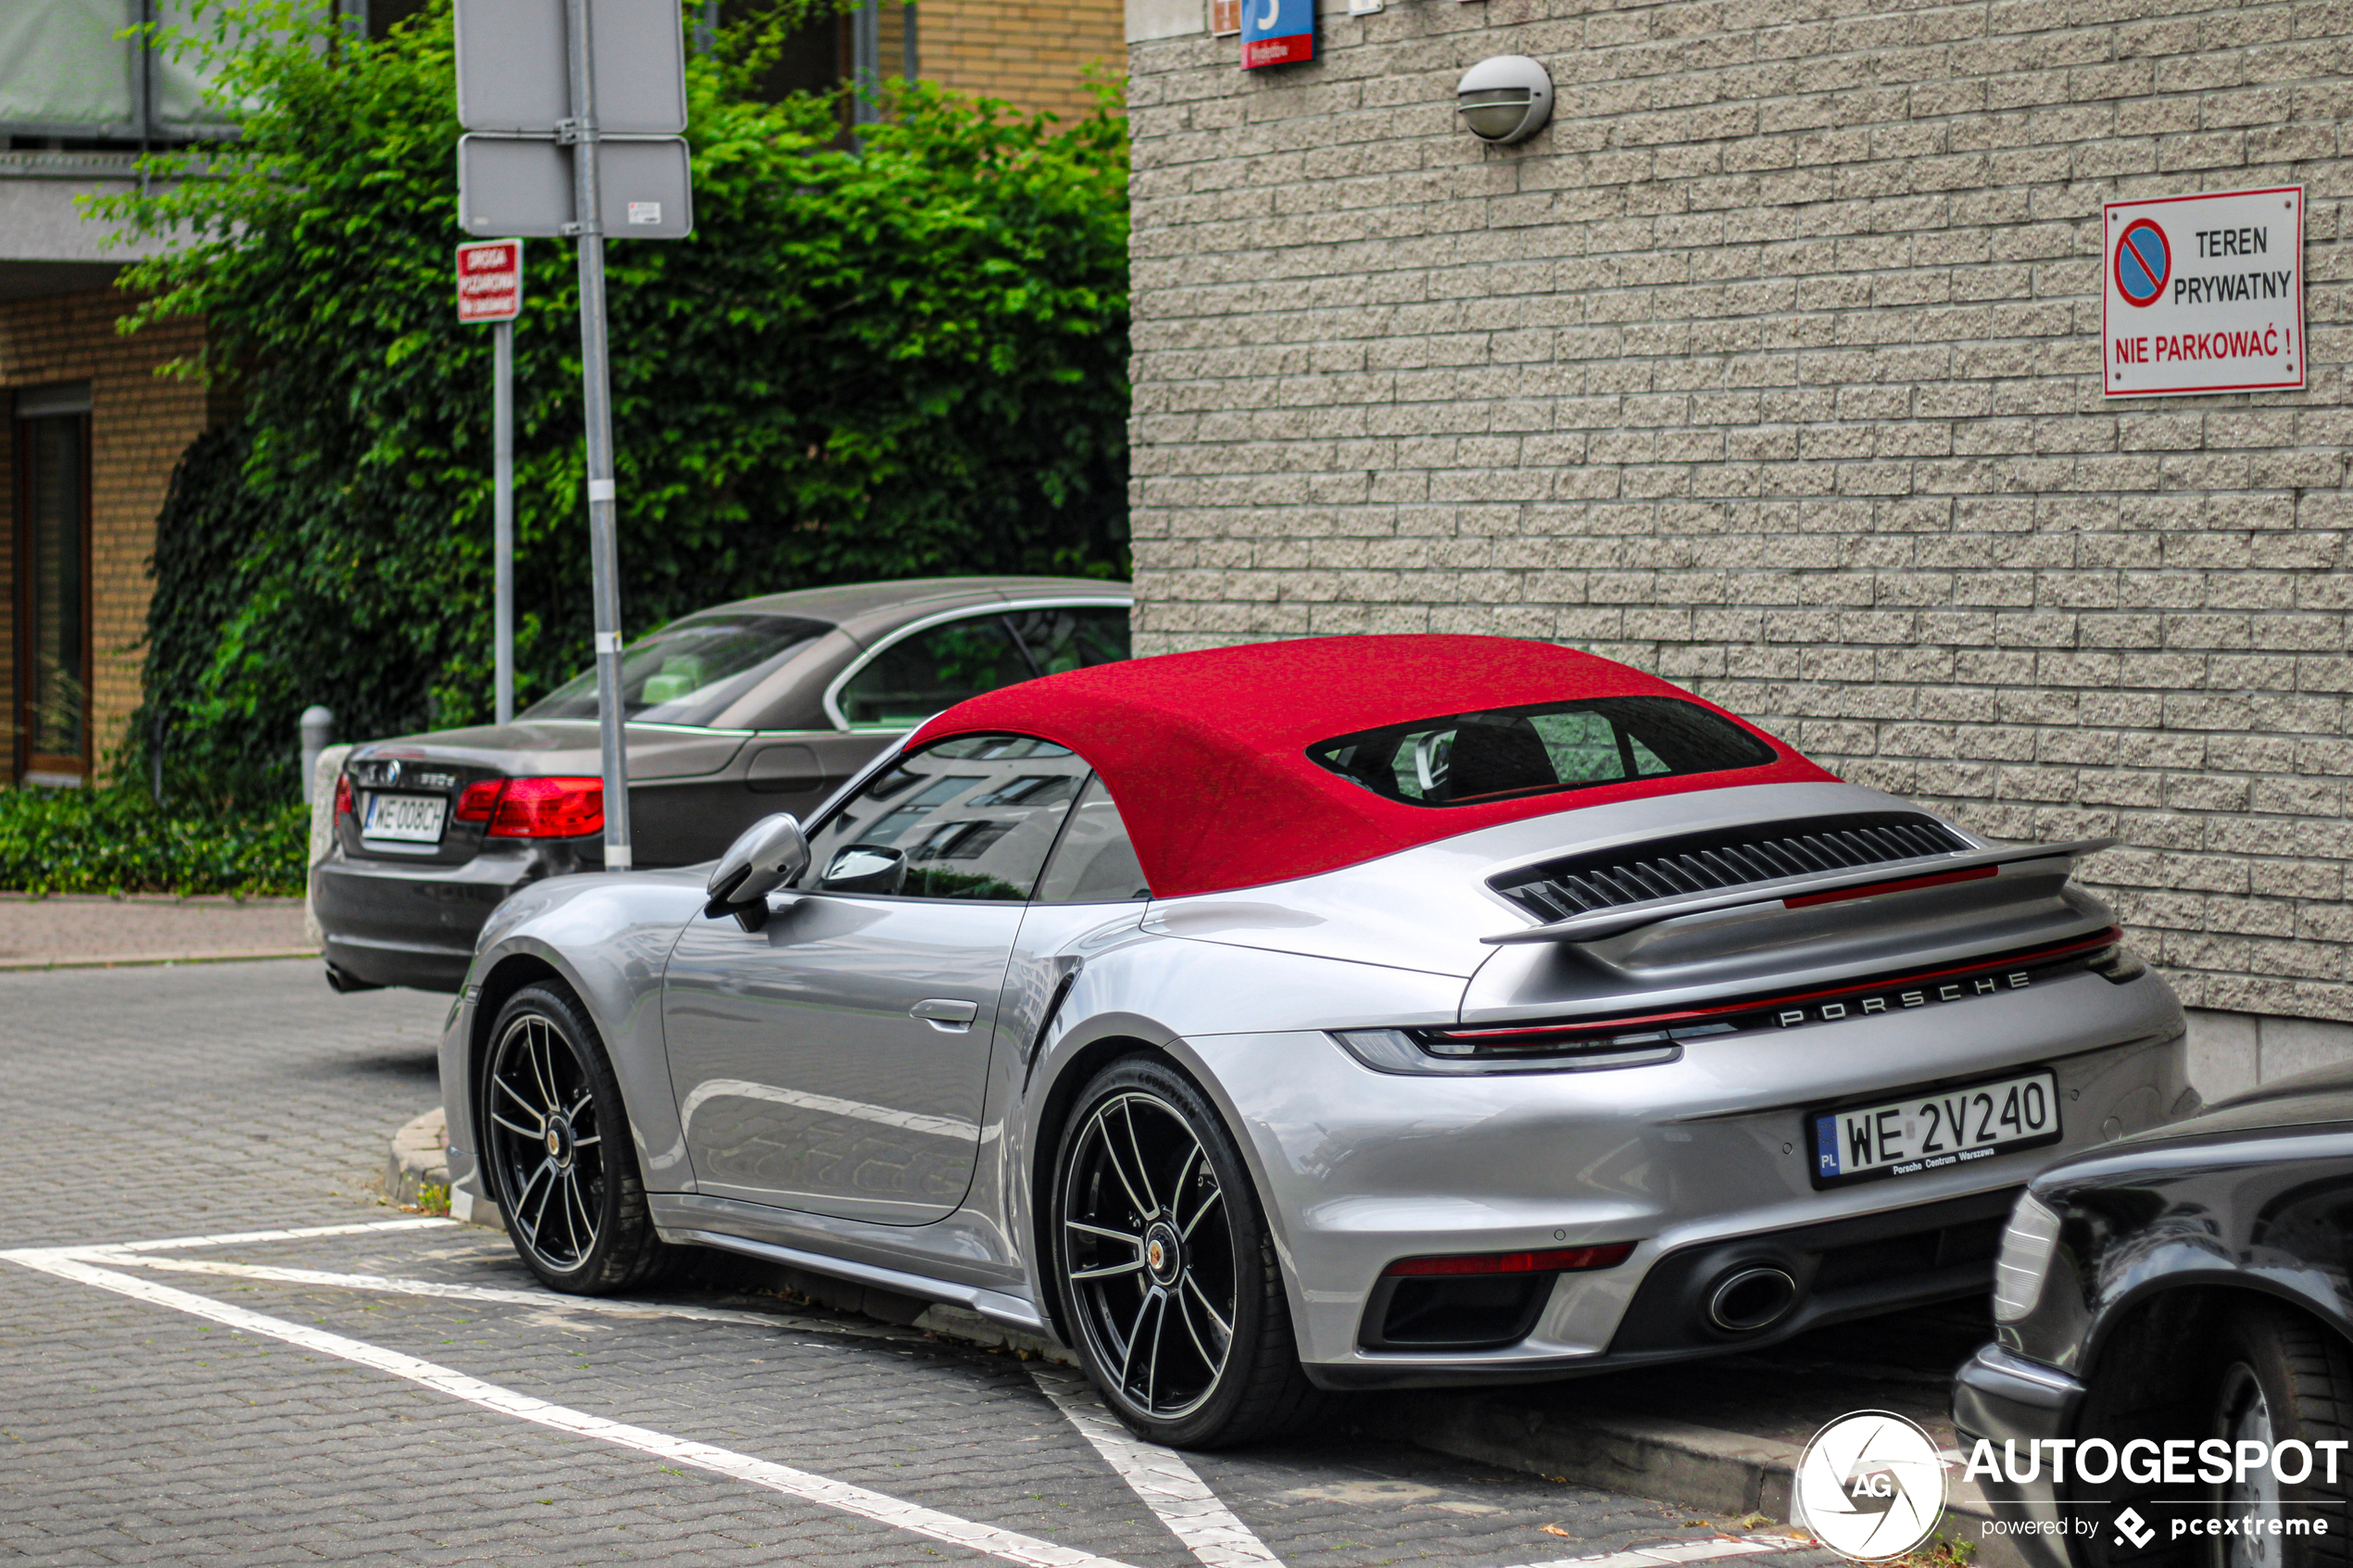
{"x":1206,"y":753}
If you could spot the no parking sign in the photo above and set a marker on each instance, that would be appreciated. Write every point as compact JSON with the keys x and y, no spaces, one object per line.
{"x":2204,"y":293}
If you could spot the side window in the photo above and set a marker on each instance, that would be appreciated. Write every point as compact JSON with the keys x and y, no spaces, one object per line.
{"x":968,"y":817}
{"x":936,"y":668}
{"x":1071,"y":638}
{"x":1095,"y":863}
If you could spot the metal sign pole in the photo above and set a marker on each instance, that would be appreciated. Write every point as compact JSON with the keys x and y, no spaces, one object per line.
{"x":596,"y":407}
{"x":502,"y":528}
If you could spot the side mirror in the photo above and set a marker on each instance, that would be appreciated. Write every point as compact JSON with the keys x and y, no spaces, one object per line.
{"x":866,"y":867}
{"x":766,"y":855}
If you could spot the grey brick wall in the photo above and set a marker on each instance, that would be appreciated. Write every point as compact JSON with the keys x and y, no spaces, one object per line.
{"x":1772,"y":366}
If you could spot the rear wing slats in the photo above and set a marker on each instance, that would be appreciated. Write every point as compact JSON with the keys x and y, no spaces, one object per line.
{"x":1796,"y":892}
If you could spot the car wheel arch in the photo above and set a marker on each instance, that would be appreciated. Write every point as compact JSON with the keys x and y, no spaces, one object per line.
{"x":1069,"y":1078}
{"x":506,"y":977}
{"x":2172,"y":1318}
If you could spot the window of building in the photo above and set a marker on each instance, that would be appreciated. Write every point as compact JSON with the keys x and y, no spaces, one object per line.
{"x":53,"y":585}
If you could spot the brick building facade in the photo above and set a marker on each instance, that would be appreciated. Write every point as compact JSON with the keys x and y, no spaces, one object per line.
{"x":1034,"y":55}
{"x":61,"y":362}
{"x":1772,"y":365}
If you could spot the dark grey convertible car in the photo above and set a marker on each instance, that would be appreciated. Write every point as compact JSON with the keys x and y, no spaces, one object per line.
{"x":764,"y":705}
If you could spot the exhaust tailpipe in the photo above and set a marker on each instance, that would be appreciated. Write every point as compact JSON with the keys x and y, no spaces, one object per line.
{"x":1750,"y":1297}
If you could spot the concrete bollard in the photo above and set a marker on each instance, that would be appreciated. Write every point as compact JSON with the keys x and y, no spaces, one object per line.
{"x":318,"y":729}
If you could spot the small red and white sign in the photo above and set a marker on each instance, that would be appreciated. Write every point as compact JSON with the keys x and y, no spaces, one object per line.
{"x":490,"y":281}
{"x":2204,"y":293}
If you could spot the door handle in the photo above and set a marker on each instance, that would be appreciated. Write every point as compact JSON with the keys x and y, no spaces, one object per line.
{"x":946,"y":1014}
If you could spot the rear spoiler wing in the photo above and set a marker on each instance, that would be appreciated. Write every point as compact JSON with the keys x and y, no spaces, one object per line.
{"x":1800,"y":891}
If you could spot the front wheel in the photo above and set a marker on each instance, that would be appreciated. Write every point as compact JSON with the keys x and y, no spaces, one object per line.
{"x":555,"y":1149}
{"x":2283,"y":1376}
{"x":1165,"y":1268}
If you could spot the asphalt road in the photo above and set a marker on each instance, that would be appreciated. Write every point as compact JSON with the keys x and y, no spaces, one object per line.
{"x":356,"y":1387}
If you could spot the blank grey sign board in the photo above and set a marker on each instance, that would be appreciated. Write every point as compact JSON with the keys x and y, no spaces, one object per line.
{"x":514,"y":75}
{"x":519,"y":186}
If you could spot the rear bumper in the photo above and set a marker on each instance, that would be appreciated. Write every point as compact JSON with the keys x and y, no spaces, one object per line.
{"x":2007,"y":1399}
{"x":392,"y":924}
{"x":415,"y":965}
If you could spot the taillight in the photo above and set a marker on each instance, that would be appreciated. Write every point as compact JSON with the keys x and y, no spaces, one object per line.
{"x":479,"y":801}
{"x":344,"y":807}
{"x":549,"y":809}
{"x":1558,"y":1260}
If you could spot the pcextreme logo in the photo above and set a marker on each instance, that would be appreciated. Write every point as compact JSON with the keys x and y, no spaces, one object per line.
{"x":1870,"y":1486}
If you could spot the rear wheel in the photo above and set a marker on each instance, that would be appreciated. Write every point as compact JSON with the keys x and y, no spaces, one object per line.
{"x":1166,"y":1269}
{"x":555,"y":1148}
{"x":2284,"y":1377}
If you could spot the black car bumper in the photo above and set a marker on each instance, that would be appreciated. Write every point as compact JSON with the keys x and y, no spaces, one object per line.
{"x":387,"y":923}
{"x":2005,"y":1398}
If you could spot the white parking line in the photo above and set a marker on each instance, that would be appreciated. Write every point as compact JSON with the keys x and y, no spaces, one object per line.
{"x":1681,"y":1551}
{"x":239,"y":1238}
{"x":540,"y":1300}
{"x":1162,"y":1478}
{"x":1006,"y":1544}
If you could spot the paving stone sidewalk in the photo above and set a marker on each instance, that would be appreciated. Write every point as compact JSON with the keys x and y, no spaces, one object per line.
{"x":70,"y":930}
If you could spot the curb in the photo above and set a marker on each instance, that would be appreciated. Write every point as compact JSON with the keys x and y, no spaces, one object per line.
{"x":1704,"y":1468}
{"x":419,"y":1159}
{"x":135,"y":960}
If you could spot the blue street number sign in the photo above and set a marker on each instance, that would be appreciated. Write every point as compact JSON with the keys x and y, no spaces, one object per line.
{"x":1278,"y":32}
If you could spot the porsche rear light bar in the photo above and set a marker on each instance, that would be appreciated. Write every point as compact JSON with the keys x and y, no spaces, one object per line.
{"x":1646,"y":1039}
{"x":1558,"y":1260}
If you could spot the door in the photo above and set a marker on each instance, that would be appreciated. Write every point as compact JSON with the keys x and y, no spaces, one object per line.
{"x":835,"y":1060}
{"x":53,"y":589}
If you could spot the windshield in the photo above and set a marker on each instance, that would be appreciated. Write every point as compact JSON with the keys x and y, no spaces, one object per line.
{"x":1509,"y":752}
{"x":691,"y":670}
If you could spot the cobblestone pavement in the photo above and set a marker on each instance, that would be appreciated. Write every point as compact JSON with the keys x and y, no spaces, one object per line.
{"x":443,"y":1408}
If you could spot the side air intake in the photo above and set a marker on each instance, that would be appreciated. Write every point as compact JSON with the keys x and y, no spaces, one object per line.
{"x":1730,"y":858}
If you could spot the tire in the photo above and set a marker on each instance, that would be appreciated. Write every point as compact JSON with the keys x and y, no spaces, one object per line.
{"x":1190,"y":1344}
{"x":2283,"y":1376}
{"x":556,"y":1147}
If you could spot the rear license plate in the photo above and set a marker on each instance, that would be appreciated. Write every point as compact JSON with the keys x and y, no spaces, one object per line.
{"x":415,"y":819}
{"x":1932,"y":1128}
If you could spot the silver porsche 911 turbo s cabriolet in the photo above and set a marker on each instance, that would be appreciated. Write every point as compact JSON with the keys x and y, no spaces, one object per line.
{"x":1339,"y":1013}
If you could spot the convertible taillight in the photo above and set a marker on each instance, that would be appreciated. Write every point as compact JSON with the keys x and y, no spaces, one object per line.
{"x":549,"y":808}
{"x":480,"y":800}
{"x":343,"y":806}
{"x":1558,"y":1260}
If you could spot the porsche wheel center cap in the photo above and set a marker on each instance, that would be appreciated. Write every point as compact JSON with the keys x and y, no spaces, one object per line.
{"x":560,"y":1141}
{"x":1163,"y":1254}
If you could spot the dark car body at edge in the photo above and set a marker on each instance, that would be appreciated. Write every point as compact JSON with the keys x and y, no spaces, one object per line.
{"x":2163,"y":1242}
{"x":786,"y":734}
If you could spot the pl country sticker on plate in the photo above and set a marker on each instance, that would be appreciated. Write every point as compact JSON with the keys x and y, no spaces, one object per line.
{"x":2204,"y":293}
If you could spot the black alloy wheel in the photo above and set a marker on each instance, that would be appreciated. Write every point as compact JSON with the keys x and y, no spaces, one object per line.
{"x":1166,"y":1267}
{"x":555,"y":1145}
{"x":2283,"y":1376}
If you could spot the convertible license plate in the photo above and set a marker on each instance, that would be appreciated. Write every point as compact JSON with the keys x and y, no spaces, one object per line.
{"x":1933,"y":1128}
{"x":414,"y":818}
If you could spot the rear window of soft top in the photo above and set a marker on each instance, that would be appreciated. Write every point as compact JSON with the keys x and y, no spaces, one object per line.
{"x":1506,"y":753}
